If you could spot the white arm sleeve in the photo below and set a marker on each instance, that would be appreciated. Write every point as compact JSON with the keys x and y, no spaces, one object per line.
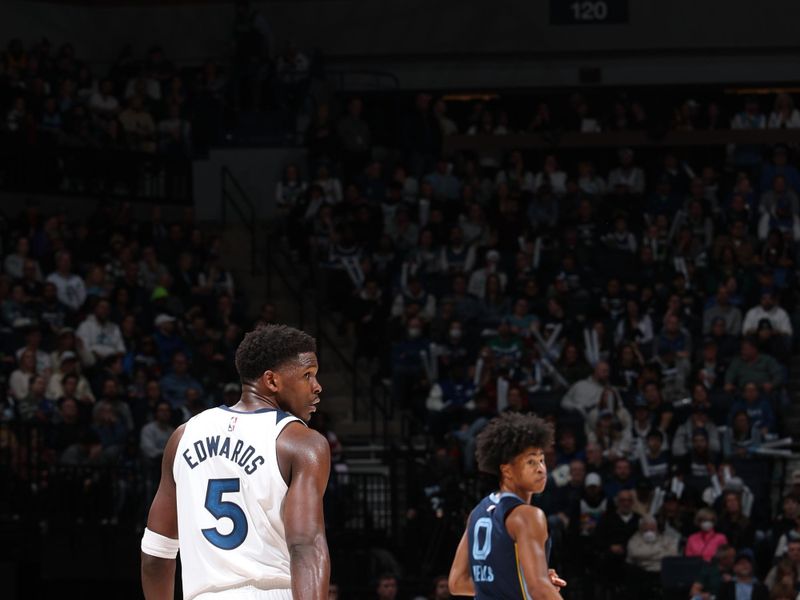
{"x":158,"y":545}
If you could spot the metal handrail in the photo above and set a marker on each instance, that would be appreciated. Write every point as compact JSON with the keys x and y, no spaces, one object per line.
{"x":380,"y":404}
{"x":249,"y":220}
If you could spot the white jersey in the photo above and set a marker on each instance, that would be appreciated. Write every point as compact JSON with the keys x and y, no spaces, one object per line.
{"x":230,"y":495}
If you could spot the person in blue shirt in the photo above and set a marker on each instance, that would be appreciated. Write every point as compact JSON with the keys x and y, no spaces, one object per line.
{"x":757,"y":408}
{"x":503,"y":552}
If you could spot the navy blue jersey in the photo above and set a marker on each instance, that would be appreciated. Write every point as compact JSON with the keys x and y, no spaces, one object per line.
{"x":493,"y":560}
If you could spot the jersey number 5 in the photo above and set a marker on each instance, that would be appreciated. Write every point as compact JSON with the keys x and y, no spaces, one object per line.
{"x":221,"y":509}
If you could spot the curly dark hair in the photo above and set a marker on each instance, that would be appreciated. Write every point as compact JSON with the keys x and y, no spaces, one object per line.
{"x":508,"y":436}
{"x":269,"y":347}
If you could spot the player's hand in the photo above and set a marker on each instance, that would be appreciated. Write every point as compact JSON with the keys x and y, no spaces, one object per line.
{"x":555,"y":579}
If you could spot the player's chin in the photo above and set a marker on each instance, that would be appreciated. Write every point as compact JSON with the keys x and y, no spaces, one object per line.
{"x":539,"y":485}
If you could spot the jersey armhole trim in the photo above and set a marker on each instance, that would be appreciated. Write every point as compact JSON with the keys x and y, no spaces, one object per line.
{"x":282,"y":420}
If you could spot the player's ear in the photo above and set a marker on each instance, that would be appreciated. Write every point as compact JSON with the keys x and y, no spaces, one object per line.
{"x":271,"y":381}
{"x":505,"y":471}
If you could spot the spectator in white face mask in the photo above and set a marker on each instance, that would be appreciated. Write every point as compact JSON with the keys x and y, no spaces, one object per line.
{"x":704,"y":543}
{"x":646,"y":549}
{"x":648,"y":546}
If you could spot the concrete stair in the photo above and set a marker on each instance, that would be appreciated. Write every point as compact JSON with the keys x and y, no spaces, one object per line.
{"x":349,"y":413}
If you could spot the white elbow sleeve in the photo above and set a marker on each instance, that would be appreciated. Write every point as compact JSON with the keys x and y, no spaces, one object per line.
{"x":158,"y":545}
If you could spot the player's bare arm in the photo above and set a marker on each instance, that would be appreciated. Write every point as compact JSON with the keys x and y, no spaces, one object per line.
{"x":158,"y":573}
{"x":460,"y":581}
{"x":304,"y":460}
{"x":528,"y":527}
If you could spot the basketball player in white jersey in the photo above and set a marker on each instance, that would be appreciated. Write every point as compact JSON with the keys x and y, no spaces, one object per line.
{"x":241,"y":487}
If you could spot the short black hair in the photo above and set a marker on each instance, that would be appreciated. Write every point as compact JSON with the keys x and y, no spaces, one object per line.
{"x":508,"y":436}
{"x":269,"y":347}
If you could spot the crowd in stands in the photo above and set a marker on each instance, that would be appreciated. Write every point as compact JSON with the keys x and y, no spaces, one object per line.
{"x":114,"y":331}
{"x":648,"y":310}
{"x":75,"y":125}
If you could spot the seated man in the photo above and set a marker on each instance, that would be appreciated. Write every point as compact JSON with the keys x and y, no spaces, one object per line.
{"x":744,"y":585}
{"x":646,"y":549}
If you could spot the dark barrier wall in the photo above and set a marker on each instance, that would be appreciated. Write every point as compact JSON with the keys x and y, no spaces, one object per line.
{"x":658,"y":31}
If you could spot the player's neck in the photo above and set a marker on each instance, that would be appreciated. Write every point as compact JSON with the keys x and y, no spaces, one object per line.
{"x":507,"y":486}
{"x":252,"y":400}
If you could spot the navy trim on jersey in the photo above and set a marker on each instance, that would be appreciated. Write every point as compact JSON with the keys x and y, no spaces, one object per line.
{"x":282,"y":415}
{"x":255,"y":412}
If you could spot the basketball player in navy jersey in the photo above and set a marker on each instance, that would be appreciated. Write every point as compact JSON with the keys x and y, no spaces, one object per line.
{"x":243,"y":486}
{"x":503,"y":553}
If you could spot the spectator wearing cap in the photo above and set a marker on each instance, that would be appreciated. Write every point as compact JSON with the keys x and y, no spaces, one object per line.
{"x":722,"y":308}
{"x":174,"y":385}
{"x":744,"y":585}
{"x":593,"y":504}
{"x":101,"y":336}
{"x":70,"y":287}
{"x":705,"y":542}
{"x":68,"y":365}
{"x":752,"y":366}
{"x":477,"y":281}
{"x":167,"y":339}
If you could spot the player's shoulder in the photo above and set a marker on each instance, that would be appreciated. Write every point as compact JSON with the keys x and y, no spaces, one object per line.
{"x":526,"y":516}
{"x":298,"y":439}
{"x":177,"y":435}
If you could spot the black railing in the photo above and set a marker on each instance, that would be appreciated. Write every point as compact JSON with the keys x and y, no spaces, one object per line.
{"x":277,"y":263}
{"x":350,"y":80}
{"x":232,"y":194}
{"x":117,"y":485}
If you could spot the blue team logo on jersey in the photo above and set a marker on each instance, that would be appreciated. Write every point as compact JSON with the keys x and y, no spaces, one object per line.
{"x":232,"y":424}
